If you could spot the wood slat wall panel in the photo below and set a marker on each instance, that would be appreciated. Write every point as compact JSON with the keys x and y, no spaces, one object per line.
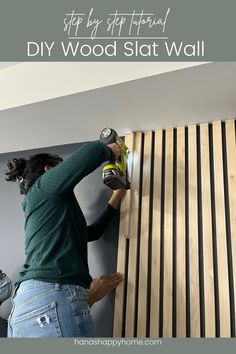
{"x":221,"y":232}
{"x":208,"y":270}
{"x":180,"y":236}
{"x":178,"y":231}
{"x":133,"y":237}
{"x":231,"y":158}
{"x":143,"y":260}
{"x":168,"y":236}
{"x":193,"y":234}
{"x":156,"y":236}
{"x":123,"y":234}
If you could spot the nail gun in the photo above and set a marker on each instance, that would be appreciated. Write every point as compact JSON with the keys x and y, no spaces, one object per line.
{"x":115,"y":172}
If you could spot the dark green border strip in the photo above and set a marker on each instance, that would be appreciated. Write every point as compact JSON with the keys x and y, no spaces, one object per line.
{"x":188,"y":25}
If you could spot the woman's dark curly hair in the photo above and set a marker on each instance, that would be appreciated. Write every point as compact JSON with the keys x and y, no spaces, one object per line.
{"x":26,"y":172}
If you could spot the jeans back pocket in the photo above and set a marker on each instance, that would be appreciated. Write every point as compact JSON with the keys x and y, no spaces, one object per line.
{"x":40,"y":322}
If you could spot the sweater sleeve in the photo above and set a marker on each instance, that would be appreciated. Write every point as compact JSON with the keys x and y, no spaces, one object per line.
{"x":95,"y":230}
{"x":64,"y":176}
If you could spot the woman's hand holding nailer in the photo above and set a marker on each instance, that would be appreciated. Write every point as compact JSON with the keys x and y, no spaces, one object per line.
{"x":116,"y":149}
{"x":116,"y":197}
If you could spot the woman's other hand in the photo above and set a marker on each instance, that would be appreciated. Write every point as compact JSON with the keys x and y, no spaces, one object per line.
{"x":101,"y":286}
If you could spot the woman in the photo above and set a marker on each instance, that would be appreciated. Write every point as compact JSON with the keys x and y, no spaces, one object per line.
{"x":54,"y":291}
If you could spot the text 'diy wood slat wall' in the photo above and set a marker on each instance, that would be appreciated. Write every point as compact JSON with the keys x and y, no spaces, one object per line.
{"x":177,"y":241}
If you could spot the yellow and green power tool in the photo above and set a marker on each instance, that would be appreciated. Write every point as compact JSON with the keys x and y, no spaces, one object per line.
{"x":115,"y":172}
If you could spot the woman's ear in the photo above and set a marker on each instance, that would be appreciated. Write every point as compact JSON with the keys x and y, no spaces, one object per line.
{"x":46,"y":168}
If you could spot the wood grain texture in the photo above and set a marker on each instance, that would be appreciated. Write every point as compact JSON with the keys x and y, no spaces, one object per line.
{"x":168,"y":237}
{"x":123,"y":234}
{"x":231,"y":162}
{"x":156,"y":236}
{"x":193,"y":234}
{"x":208,"y":271}
{"x":180,"y":237}
{"x":143,"y":260}
{"x":221,"y":232}
{"x":133,"y":235}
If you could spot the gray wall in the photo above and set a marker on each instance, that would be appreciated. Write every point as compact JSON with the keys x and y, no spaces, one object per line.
{"x":92,"y":196}
{"x":194,"y":95}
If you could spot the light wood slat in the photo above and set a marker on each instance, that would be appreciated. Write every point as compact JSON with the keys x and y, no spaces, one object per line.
{"x":221,"y":232}
{"x":123,"y":234}
{"x":180,"y":237}
{"x":231,"y":162}
{"x":143,"y":261}
{"x":208,"y":271}
{"x":168,"y":236}
{"x":132,"y":267}
{"x":156,"y":237}
{"x":193,"y":234}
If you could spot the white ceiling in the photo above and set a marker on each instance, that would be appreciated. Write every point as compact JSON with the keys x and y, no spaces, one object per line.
{"x":32,"y":82}
{"x":198,"y":94}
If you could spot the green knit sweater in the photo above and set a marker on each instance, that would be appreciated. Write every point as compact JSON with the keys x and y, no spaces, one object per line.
{"x":56,"y":232}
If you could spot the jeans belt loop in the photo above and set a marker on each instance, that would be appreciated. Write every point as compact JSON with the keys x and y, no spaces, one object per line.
{"x":57,"y":286}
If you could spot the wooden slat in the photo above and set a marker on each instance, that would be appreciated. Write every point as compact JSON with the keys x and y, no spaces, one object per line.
{"x":123,"y":233}
{"x":180,"y":237}
{"x":132,"y":267}
{"x":156,"y":237}
{"x":168,"y":237}
{"x":193,"y":234}
{"x":143,"y":261}
{"x":221,"y":232}
{"x":231,"y":162}
{"x":208,"y":271}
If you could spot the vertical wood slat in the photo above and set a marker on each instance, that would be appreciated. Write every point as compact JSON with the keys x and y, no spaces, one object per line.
{"x":180,"y":236}
{"x":143,"y":261}
{"x":156,"y":237}
{"x":168,"y":237}
{"x":221,"y":232}
{"x":123,"y":234}
{"x":231,"y":159}
{"x":132,"y":267}
{"x":193,"y":234}
{"x":208,"y":271}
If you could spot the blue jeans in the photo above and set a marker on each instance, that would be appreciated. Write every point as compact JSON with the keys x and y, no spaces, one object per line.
{"x":42,"y":309}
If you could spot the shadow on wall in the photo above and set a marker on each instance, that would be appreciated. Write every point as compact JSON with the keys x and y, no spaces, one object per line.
{"x":106,"y":250}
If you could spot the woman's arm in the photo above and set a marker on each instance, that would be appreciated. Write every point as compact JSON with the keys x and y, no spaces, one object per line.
{"x":96,"y":229}
{"x":116,"y":197}
{"x":64,"y":177}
